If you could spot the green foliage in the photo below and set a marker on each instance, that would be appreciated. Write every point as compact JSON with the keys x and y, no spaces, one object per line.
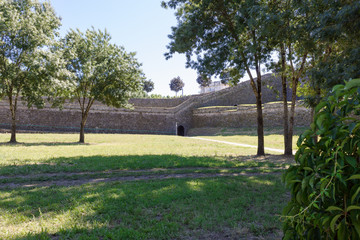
{"x":101,"y":71}
{"x":27,"y":67}
{"x":325,"y":185}
{"x":335,"y":56}
{"x":148,"y":85}
{"x":222,"y":34}
{"x":203,"y":80}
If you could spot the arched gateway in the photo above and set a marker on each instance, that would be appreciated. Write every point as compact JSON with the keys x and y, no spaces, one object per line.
{"x":180,"y":130}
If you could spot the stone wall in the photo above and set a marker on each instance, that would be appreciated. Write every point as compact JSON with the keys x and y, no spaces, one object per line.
{"x":246,"y":117}
{"x":243,"y":93}
{"x":101,"y":119}
{"x":157,"y":116}
{"x":153,"y":102}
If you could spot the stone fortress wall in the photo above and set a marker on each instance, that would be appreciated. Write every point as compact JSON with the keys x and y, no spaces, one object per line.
{"x":160,"y":116}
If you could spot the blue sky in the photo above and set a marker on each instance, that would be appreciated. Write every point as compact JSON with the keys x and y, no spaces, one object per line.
{"x":141,"y":26}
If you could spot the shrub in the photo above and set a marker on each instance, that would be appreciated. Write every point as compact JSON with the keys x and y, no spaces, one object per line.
{"x":325,"y":183}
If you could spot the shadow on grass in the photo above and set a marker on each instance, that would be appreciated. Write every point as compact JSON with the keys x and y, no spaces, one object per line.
{"x":43,"y":144}
{"x":135,"y":162}
{"x":226,"y":208}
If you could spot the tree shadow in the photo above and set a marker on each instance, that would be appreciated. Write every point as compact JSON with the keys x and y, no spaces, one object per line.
{"x":135,"y":162}
{"x":43,"y":144}
{"x":166,"y":209}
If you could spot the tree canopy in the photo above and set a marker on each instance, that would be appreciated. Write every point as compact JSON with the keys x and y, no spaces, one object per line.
{"x":203,"y":80}
{"x":101,"y":71}
{"x":148,"y":85}
{"x":176,"y":84}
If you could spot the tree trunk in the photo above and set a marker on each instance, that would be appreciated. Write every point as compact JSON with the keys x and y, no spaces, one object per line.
{"x":287,"y":137}
{"x":292,"y":110}
{"x":312,"y":114}
{"x":82,"y":129}
{"x":13,"y":106}
{"x":84,"y":115}
{"x":13,"y":129}
{"x":287,"y":143}
{"x":260,"y":127}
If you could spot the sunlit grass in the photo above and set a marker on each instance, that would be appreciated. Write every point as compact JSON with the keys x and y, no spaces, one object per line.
{"x":208,"y":208}
{"x":60,"y":152}
{"x":165,"y":209}
{"x":273,"y":136}
{"x":271,"y":141}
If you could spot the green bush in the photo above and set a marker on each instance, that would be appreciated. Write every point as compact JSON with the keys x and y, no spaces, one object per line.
{"x":325,"y":183}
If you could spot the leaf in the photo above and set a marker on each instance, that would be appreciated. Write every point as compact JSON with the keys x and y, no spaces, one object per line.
{"x":308,"y":169}
{"x":357,"y":176}
{"x":337,"y":87}
{"x":355,"y":128}
{"x":356,"y":225}
{"x":352,"y":207}
{"x":352,"y":83}
{"x":333,"y":222}
{"x":355,"y":194}
{"x":333,"y":208}
{"x":320,"y":120}
{"x":351,"y":160}
{"x":320,"y":106}
{"x":341,"y":234}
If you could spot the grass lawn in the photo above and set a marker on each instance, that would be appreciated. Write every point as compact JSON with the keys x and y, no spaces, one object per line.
{"x":273,"y":136}
{"x":238,"y":196}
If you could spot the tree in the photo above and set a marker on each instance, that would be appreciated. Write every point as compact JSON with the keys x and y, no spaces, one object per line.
{"x":27,"y":66}
{"x":148,"y":85}
{"x":101,"y":71}
{"x":292,"y":40}
{"x":203,"y":80}
{"x":176,"y":84}
{"x":230,"y":76}
{"x":224,"y":34}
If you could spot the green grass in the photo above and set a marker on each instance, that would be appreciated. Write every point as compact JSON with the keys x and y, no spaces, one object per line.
{"x":271,"y":141}
{"x":273,"y":136}
{"x":209,"y":208}
{"x":165,"y":209}
{"x":59,"y":152}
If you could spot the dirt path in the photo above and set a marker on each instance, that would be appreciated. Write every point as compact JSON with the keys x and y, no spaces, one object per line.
{"x":152,"y":170}
{"x":130,"y":178}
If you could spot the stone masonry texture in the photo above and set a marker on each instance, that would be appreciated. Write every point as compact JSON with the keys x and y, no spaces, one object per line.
{"x":160,"y":116}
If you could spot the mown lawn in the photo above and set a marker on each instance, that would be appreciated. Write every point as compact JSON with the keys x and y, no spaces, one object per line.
{"x":244,"y":206}
{"x":273,"y":136}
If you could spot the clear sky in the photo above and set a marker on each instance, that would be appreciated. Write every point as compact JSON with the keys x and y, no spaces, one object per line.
{"x":141,"y":26}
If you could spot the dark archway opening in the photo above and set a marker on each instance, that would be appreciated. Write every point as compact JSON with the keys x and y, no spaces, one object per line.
{"x":180,"y":130}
